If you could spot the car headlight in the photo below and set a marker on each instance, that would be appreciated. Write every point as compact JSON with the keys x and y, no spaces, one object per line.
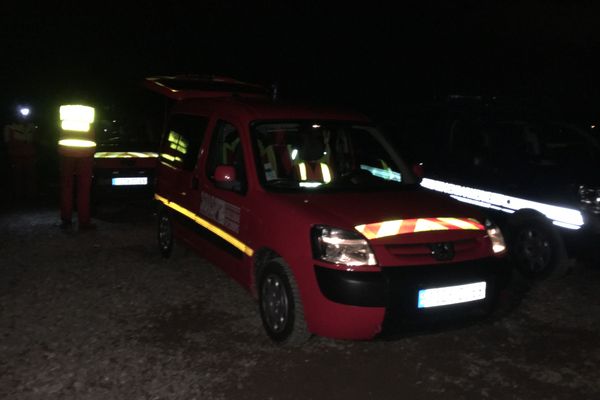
{"x":590,"y":198}
{"x":340,"y":246}
{"x":496,"y":237}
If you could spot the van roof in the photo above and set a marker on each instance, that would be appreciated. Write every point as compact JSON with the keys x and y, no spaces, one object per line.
{"x":181,"y":87}
{"x":195,"y":94}
{"x":251,"y":109}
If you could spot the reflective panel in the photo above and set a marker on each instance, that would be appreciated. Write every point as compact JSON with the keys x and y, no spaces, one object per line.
{"x":77,"y":113}
{"x":560,"y":216}
{"x":125,"y":154}
{"x":325,"y":173}
{"x":76,"y":143}
{"x":79,"y":126}
{"x":171,"y":158}
{"x":204,"y":223}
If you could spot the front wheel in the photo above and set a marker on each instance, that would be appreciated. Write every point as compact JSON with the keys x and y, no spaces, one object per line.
{"x":165,"y":234}
{"x":538,"y":250}
{"x":280,"y":305}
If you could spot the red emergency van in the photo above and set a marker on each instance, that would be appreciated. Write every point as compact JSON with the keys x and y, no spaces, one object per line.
{"x":313,"y":212}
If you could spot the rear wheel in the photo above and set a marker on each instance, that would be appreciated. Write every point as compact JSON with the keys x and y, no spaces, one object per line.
{"x":165,"y":234}
{"x":280,"y":305}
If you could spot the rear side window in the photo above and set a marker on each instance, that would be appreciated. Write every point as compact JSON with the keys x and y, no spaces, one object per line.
{"x":182,"y":141}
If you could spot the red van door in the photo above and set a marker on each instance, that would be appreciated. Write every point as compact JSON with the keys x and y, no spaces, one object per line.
{"x":222,"y":207}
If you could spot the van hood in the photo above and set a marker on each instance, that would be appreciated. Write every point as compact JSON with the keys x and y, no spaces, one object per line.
{"x":347,"y":210}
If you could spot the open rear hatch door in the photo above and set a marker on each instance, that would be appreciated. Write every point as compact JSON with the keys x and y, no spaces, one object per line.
{"x":181,"y":87}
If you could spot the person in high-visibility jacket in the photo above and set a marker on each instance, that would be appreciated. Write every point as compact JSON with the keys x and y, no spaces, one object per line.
{"x":20,"y":146}
{"x":312,"y":164}
{"x":76,"y":147}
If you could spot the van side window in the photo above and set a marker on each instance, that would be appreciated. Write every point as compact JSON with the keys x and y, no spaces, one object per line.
{"x":226,"y":149}
{"x":182,"y":141}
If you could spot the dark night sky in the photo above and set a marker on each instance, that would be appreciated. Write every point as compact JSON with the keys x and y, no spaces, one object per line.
{"x":365,"y":55}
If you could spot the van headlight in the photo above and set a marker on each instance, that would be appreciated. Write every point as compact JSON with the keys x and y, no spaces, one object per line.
{"x":496,"y":237}
{"x":340,"y":246}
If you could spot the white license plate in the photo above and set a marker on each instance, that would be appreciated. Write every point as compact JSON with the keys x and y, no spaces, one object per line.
{"x":130,"y":181}
{"x":443,"y":296}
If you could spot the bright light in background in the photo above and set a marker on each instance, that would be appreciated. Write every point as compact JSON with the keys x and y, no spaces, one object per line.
{"x":24,"y":111}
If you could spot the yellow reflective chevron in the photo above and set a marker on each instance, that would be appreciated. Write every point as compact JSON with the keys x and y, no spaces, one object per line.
{"x":426,"y":225}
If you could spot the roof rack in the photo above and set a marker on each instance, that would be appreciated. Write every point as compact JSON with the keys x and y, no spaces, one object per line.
{"x":180,"y":87}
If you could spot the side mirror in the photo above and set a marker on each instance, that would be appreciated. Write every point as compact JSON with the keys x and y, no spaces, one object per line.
{"x":419,"y":171}
{"x":224,"y":173}
{"x":225,"y":177}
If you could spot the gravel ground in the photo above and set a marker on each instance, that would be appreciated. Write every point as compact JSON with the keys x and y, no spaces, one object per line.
{"x":99,"y":315}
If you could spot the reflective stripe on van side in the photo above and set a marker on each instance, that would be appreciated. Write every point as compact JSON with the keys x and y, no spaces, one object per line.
{"x":560,"y":216}
{"x":205,"y":224}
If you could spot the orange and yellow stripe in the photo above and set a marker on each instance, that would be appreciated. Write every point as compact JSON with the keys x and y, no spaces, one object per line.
{"x":378,"y":230}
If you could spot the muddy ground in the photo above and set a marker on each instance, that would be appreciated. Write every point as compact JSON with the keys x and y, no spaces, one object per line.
{"x":99,"y":315}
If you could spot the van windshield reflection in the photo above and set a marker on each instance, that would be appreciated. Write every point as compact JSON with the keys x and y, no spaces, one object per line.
{"x":313,"y":155}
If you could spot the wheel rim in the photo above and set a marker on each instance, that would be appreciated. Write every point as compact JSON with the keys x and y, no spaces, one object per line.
{"x":164,"y":233}
{"x":535,"y":250}
{"x":275,"y":303}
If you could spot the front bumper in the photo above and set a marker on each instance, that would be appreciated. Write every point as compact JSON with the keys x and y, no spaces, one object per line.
{"x":396,"y":289}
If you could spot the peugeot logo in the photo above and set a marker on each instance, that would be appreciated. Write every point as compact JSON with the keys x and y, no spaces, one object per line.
{"x":442,"y":251}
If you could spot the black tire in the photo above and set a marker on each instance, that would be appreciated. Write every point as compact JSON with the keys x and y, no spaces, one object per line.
{"x":538,"y":250}
{"x":281,"y":309}
{"x":165,"y":233}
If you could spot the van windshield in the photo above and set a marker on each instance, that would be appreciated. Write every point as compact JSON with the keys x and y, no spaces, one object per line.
{"x":538,"y":144}
{"x":555,"y":144}
{"x":316,"y":155}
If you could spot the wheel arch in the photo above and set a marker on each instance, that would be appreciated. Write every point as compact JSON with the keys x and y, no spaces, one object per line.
{"x":527,"y":214}
{"x":265,"y":262}
{"x":260,"y":259}
{"x":526,"y":217}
